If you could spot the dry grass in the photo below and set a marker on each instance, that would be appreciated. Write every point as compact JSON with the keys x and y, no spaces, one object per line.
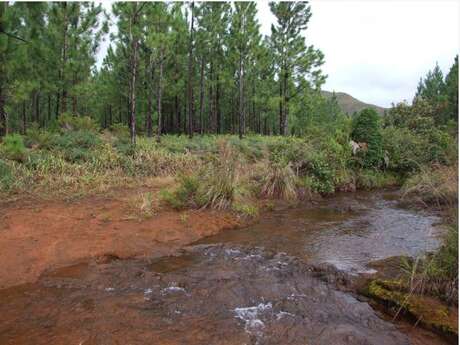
{"x":279,"y":181}
{"x":434,"y":186}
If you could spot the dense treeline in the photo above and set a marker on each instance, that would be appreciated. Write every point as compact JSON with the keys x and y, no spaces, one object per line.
{"x":170,"y":67}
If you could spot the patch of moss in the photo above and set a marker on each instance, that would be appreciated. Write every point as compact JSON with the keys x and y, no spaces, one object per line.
{"x":430,"y":313}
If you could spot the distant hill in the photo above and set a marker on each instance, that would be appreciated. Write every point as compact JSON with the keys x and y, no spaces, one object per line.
{"x":350,"y":104}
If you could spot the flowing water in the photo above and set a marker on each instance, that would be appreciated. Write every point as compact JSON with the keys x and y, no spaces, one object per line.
{"x":257,"y":285}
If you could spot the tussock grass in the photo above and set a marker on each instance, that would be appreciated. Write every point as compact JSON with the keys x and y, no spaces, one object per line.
{"x":436,"y":185}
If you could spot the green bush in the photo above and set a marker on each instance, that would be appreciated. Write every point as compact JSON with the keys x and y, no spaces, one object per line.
{"x":367,"y":129}
{"x":185,"y":195}
{"x":69,"y":122}
{"x":83,"y":139}
{"x":6,"y":176}
{"x":13,"y":147}
{"x":38,"y":138}
{"x":372,"y":179}
{"x":405,"y":149}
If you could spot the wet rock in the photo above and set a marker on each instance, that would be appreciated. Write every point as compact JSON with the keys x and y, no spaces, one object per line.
{"x":223,"y":295}
{"x":428,"y":312}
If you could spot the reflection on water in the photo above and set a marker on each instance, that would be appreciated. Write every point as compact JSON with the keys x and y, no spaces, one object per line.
{"x":348,"y":231}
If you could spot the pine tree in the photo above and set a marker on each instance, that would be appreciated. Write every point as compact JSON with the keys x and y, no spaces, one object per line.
{"x":294,"y":59}
{"x":451,"y":91}
{"x":245,"y":39}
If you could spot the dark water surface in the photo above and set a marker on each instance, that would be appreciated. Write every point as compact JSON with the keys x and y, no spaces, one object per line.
{"x":248,"y":286}
{"x":348,"y":230}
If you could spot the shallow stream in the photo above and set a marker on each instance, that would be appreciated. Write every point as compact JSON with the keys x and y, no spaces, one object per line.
{"x":256,"y":285}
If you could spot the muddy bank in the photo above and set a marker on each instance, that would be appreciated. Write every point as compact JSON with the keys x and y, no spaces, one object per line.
{"x":225,"y":295}
{"x":36,"y":237}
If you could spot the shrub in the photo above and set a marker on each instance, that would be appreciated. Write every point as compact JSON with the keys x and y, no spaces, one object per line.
{"x":13,"y":147}
{"x":69,"y":122}
{"x":322,"y":176}
{"x":185,"y":195}
{"x":6,"y":176}
{"x":367,"y":129}
{"x":372,"y":179}
{"x":83,"y":139}
{"x":120,"y":130}
{"x":38,"y":138}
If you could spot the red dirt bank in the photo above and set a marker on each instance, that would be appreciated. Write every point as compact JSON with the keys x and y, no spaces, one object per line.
{"x":34,"y":238}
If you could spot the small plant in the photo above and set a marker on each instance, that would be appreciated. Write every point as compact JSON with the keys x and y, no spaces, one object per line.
{"x":142,"y":205}
{"x":245,"y":209}
{"x":184,"y":218}
{"x":13,"y":147}
{"x":185,"y":195}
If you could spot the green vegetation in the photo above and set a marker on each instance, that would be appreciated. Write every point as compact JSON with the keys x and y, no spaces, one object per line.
{"x":430,"y":313}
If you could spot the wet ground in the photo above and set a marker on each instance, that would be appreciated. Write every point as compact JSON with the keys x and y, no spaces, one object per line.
{"x":257,"y":285}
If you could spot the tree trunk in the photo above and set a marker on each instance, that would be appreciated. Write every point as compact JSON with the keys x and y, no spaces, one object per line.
{"x":177,"y":111}
{"x":160,"y":80}
{"x":218,"y":112}
{"x":110,"y":115}
{"x":64,"y":61}
{"x":58,"y":102}
{"x":281,"y":107}
{"x":37,"y":107}
{"x":241,"y":100}
{"x":24,"y":118}
{"x":132,"y":101}
{"x":212,"y":113}
{"x":190,"y":81}
{"x":3,"y":115}
{"x":201,"y":94}
{"x":148,"y":120}
{"x":49,"y":107}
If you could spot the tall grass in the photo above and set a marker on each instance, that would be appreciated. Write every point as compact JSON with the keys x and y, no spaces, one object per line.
{"x":436,"y":185}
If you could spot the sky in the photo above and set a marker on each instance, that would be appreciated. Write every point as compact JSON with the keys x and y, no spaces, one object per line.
{"x":377,"y":50}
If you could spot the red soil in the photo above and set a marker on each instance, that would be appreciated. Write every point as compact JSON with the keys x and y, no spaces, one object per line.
{"x":44,"y":235}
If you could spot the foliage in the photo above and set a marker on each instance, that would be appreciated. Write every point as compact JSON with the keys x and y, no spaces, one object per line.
{"x":13,"y":147}
{"x":77,"y":123}
{"x":6,"y":176}
{"x":372,"y":179}
{"x":367,"y":129}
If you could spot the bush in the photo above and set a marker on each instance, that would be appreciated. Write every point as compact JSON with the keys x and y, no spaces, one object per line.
{"x":185,"y":195}
{"x":322,"y":176}
{"x":6,"y":176}
{"x":39,"y":138}
{"x":13,"y":147}
{"x":367,"y":129}
{"x":69,"y":122}
{"x":372,"y":179}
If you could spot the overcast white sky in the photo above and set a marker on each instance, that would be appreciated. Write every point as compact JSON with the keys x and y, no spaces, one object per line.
{"x":376,"y":50}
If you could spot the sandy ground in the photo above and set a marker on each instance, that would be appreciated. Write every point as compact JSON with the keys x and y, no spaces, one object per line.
{"x":37,"y":236}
